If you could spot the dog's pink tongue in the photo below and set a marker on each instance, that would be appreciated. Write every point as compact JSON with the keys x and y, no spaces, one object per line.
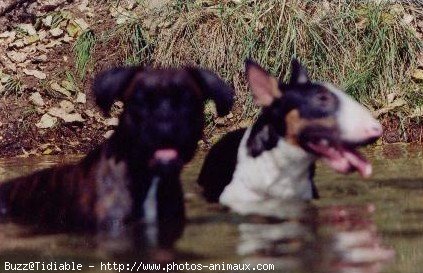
{"x":361,"y":164}
{"x":165,"y":154}
{"x":346,"y":161}
{"x":343,"y":160}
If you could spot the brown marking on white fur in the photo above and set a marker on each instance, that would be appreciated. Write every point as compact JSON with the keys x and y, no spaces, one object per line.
{"x":295,"y":124}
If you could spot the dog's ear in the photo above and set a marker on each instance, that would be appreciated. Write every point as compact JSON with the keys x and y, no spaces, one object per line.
{"x":110,"y":85}
{"x":216,"y":89}
{"x":299,"y":74}
{"x":265,"y":87}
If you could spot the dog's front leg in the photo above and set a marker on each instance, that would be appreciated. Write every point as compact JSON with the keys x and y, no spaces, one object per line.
{"x":163,"y":212}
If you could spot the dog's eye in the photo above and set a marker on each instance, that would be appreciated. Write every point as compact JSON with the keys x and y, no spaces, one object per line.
{"x":324,"y":99}
{"x":324,"y":102}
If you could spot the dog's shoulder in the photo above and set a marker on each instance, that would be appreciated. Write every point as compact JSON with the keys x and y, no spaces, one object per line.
{"x":262,"y":137}
{"x":219,"y":165}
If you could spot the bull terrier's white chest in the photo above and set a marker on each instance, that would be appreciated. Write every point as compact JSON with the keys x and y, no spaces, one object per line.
{"x":280,"y":173}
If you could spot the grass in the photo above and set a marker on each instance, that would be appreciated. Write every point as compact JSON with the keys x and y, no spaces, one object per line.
{"x":363,"y":47}
{"x":13,"y":86}
{"x":83,"y":50}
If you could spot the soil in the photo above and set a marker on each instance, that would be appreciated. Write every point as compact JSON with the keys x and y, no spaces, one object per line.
{"x":19,"y":135}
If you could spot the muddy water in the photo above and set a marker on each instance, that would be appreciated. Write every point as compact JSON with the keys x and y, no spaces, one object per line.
{"x":373,"y":225}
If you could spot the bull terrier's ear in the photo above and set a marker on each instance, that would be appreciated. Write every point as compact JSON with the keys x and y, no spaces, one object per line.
{"x":213,"y":87}
{"x":299,"y":74}
{"x":110,"y":85}
{"x":263,"y":85}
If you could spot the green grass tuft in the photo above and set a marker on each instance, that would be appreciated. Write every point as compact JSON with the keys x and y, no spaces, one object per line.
{"x":83,"y":49}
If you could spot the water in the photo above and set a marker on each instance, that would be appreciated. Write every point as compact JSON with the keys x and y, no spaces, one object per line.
{"x":373,"y":225}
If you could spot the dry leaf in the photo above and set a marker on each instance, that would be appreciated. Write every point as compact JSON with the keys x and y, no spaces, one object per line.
{"x":46,"y":121}
{"x":17,"y":57}
{"x":56,"y":32}
{"x":67,"y":106}
{"x":36,"y":73}
{"x":81,"y":98}
{"x":66,"y":117}
{"x":36,"y":99}
{"x":28,"y":28}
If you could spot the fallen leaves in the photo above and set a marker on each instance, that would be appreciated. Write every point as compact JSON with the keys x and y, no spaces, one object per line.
{"x":36,"y":73}
{"x":17,"y":57}
{"x":36,"y":99}
{"x":46,"y":121}
{"x":56,"y":87}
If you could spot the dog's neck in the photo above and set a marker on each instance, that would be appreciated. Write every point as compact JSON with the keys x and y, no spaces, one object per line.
{"x":281,"y":172}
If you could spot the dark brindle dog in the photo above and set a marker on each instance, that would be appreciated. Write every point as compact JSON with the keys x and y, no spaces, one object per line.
{"x":300,"y":122}
{"x":135,"y":174}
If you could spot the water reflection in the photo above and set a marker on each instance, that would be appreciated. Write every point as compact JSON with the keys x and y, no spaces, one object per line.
{"x":147,"y":242}
{"x":296,"y":237}
{"x":341,"y":232}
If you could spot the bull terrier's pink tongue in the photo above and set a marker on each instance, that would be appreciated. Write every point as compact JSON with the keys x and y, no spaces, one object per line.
{"x":165,"y":154}
{"x":363,"y":167}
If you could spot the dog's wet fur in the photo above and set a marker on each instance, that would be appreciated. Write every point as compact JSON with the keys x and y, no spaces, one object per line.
{"x":300,"y":122}
{"x":158,"y":132}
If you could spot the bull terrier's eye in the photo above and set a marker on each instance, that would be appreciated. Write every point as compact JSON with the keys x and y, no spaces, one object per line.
{"x":325,"y":99}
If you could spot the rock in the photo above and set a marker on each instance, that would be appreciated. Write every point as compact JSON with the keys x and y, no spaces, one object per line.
{"x":81,"y":98}
{"x":56,"y":32}
{"x":46,"y":121}
{"x":17,"y":57}
{"x":67,"y":106}
{"x":28,"y":28}
{"x":36,"y":73}
{"x":56,"y":87}
{"x":66,"y":117}
{"x":36,"y":99}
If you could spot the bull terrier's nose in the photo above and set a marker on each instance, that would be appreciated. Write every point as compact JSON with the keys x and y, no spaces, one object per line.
{"x":374,"y":130}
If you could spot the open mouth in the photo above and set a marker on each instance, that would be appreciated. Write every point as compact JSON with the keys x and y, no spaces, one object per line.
{"x":343,"y":158}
